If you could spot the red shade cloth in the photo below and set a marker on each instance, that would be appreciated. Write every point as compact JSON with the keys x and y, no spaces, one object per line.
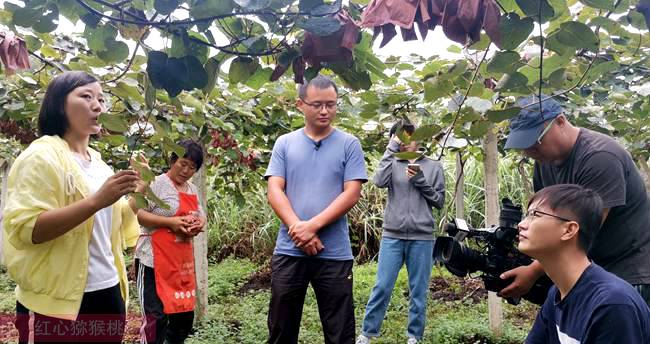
{"x":333,"y":48}
{"x":461,"y":20}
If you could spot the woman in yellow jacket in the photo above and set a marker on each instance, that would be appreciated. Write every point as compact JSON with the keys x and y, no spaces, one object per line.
{"x":66,"y":223}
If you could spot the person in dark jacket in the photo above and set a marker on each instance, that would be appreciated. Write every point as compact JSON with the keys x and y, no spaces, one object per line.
{"x":414,"y":189}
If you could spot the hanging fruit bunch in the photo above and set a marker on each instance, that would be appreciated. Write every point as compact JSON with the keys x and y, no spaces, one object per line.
{"x":11,"y":128}
{"x":226,"y":142}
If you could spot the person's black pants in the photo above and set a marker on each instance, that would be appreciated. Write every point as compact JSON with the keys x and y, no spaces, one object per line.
{"x":644,"y":290}
{"x":332,"y":283}
{"x":158,"y":327}
{"x":102,"y":318}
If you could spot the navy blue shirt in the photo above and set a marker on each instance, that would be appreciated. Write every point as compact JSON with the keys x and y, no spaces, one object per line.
{"x":600,"y":308}
{"x":314,"y":174}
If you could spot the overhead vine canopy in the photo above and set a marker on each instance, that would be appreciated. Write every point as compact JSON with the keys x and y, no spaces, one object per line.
{"x":253,"y":31}
{"x":161,"y":59}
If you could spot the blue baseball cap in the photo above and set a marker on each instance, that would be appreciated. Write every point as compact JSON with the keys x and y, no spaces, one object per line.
{"x":526,"y":127}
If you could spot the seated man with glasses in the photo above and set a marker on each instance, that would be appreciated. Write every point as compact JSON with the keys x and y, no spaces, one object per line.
{"x":587,"y":303}
{"x":564,"y":153}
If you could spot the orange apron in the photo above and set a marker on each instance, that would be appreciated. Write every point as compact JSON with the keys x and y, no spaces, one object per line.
{"x":173,"y":260}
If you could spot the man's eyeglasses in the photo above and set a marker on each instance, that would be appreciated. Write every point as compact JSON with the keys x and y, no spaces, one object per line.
{"x":546,"y":129}
{"x":534,"y":213}
{"x":319,"y":105}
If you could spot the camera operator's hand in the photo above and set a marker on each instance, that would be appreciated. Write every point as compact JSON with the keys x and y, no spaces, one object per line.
{"x":524,"y":279}
{"x":302,"y":232}
{"x":313,"y":246}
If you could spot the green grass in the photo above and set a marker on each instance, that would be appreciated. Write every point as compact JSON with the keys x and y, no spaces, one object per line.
{"x":7,"y":299}
{"x":247,"y":232}
{"x":248,"y":229}
{"x":236,"y":317}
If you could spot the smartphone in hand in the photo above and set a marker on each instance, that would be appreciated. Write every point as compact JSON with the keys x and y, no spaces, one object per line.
{"x":414,"y":167}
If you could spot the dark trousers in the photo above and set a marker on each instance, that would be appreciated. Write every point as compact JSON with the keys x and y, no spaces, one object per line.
{"x":102,"y":318}
{"x":158,"y":327}
{"x":332,"y":283}
{"x":644,"y":290}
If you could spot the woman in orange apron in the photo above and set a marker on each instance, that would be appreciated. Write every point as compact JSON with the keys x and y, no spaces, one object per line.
{"x":164,"y":255}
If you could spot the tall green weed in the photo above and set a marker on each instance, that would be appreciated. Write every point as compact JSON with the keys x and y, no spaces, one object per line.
{"x":249,"y":228}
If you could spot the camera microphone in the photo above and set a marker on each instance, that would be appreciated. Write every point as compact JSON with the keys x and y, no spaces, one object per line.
{"x":317,"y":145}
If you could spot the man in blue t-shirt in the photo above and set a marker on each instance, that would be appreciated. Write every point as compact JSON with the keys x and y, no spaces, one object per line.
{"x":587,"y":304}
{"x":314,"y":179}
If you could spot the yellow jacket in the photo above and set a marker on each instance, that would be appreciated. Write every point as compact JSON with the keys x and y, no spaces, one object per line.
{"x":51,"y":276}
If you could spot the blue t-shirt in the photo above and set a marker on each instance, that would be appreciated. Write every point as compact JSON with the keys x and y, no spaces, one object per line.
{"x":314,"y":173}
{"x":601,"y":308}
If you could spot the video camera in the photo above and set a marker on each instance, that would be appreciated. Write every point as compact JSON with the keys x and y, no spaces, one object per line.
{"x":497,"y":253}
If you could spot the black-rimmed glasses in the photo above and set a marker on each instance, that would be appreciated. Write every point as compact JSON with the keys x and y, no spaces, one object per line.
{"x":319,"y":105}
{"x":533,"y":213}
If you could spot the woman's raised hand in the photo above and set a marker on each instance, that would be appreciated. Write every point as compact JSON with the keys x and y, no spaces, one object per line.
{"x":121,"y":183}
{"x":137,"y":164}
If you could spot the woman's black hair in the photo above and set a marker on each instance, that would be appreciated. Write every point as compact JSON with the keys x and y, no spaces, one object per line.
{"x":193,"y":152}
{"x":52,"y":119}
{"x":403,"y":124}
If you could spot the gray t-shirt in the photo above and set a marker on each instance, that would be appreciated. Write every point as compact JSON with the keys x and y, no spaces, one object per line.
{"x":314,"y":173}
{"x":598,"y":162}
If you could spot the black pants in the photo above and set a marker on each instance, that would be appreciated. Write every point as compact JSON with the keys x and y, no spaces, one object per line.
{"x":644,"y":290}
{"x":332,"y":283}
{"x":102,"y":318}
{"x":158,"y":327}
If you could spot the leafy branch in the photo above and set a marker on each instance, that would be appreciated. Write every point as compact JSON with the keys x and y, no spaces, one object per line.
{"x":582,"y":77}
{"x":168,"y":26}
{"x":460,"y":106}
{"x":138,"y":20}
{"x":128,"y":66}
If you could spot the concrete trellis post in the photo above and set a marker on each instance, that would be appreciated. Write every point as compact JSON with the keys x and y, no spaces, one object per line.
{"x":491,"y":160}
{"x":201,"y":252}
{"x":460,"y":187}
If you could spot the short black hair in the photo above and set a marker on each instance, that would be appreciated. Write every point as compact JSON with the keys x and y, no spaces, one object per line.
{"x":51,"y":118}
{"x":320,"y":82}
{"x":401,"y":124}
{"x":193,"y":152}
{"x":575,"y":202}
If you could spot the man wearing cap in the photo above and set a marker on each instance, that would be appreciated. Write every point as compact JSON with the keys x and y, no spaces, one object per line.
{"x":566,"y":154}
